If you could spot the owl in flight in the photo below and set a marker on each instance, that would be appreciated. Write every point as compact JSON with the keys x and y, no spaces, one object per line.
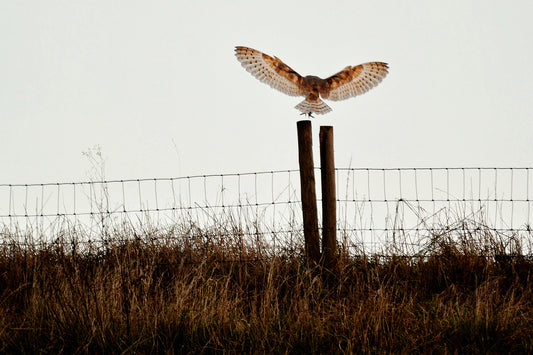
{"x":351,"y":81}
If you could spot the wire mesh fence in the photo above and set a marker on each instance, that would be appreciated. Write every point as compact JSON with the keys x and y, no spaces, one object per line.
{"x":376,"y":208}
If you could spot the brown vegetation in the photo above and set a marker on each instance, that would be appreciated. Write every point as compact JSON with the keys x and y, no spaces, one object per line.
{"x":162,"y":292}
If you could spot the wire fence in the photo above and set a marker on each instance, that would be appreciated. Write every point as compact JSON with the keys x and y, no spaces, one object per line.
{"x":376,"y":208}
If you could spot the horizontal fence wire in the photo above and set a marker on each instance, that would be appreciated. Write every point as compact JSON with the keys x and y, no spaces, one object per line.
{"x":377,"y":208}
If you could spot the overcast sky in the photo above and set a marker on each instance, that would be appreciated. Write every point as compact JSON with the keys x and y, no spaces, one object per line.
{"x":157,"y":86}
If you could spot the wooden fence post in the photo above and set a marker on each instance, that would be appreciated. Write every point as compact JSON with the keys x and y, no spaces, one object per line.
{"x":329,"y":203}
{"x":308,"y":192}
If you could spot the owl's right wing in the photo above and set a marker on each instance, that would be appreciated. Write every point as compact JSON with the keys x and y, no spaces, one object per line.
{"x":270,"y":70}
{"x":352,"y":81}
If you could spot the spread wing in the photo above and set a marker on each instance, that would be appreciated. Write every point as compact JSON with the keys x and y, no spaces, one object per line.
{"x":352,"y":81}
{"x":270,"y":70}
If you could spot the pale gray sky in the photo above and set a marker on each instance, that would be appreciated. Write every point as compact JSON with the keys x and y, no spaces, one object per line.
{"x":157,"y":86}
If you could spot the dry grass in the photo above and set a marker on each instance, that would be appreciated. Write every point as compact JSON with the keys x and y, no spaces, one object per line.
{"x":159,"y":292}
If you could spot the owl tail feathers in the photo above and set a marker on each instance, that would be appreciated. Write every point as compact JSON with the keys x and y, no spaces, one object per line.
{"x":313,"y":105}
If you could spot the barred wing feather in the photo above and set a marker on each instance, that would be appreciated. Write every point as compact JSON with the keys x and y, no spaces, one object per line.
{"x":270,"y":70}
{"x":353,"y":81}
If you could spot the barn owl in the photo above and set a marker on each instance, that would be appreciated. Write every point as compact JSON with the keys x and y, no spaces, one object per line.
{"x":350,"y":81}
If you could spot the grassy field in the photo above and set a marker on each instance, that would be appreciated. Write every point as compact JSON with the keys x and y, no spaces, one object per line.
{"x":159,"y":292}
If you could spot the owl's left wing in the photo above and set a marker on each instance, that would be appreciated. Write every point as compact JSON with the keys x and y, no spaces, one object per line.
{"x":270,"y":70}
{"x":352,"y":81}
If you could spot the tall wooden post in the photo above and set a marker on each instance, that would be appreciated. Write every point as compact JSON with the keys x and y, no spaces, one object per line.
{"x":329,"y":203}
{"x":308,"y":192}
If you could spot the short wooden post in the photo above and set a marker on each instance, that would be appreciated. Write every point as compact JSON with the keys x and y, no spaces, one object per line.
{"x":329,"y":203}
{"x":308,"y":192}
